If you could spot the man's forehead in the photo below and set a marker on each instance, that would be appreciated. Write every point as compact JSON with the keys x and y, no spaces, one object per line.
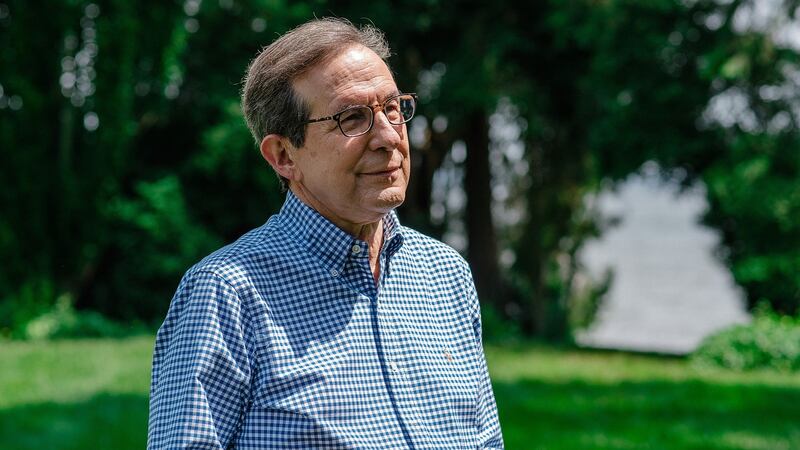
{"x":351,"y":77}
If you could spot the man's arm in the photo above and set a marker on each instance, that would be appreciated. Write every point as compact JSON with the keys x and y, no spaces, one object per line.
{"x":201,"y":371}
{"x":489,"y":435}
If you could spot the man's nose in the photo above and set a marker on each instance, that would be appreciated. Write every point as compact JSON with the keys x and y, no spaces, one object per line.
{"x":385,"y":136}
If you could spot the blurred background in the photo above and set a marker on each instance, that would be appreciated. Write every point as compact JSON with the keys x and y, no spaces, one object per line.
{"x":622,"y":176}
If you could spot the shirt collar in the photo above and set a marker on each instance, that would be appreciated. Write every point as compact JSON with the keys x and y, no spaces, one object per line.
{"x":324,"y":239}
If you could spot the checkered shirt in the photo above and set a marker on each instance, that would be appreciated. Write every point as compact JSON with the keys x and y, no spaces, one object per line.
{"x":283,"y":340}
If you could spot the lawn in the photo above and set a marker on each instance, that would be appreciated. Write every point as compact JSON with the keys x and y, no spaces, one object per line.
{"x":93,"y":394}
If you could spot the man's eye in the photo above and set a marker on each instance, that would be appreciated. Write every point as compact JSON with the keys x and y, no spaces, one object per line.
{"x":353,"y":116}
{"x":392,"y":110}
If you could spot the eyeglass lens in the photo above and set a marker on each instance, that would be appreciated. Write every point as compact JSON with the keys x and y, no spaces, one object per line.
{"x":358,"y":120}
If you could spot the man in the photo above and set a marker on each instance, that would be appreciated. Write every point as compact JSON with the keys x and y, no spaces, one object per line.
{"x":331,"y":326}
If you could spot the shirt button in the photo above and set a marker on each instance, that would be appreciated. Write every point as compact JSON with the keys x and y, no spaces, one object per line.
{"x":393,"y":366}
{"x":356,"y":249}
{"x":334,"y":273}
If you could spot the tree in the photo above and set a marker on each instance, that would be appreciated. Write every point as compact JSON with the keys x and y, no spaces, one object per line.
{"x":146,"y":164}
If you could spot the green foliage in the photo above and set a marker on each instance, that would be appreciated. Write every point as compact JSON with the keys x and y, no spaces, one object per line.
{"x":63,"y":321}
{"x":112,"y":214}
{"x":157,"y":239}
{"x":770,"y":341}
{"x":33,"y":314}
{"x":496,"y":328}
{"x":162,"y":224}
{"x":754,"y":192}
{"x":752,"y":170}
{"x":587,"y":299}
{"x":32,"y":299}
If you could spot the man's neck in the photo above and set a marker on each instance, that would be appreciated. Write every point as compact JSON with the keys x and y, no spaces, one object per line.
{"x":374,"y":239}
{"x":371,"y":232}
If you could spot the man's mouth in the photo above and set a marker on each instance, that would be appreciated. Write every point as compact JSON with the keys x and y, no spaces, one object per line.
{"x":384,"y":173}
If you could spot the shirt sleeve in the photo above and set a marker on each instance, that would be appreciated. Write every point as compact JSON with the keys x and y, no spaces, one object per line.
{"x":489,"y":433}
{"x":201,"y":372}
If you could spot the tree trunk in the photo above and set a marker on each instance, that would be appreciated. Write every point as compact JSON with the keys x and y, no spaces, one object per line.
{"x":531,"y":251}
{"x":425,"y":161}
{"x":482,"y":249}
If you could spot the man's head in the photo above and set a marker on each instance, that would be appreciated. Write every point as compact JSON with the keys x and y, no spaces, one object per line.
{"x":314,"y":71}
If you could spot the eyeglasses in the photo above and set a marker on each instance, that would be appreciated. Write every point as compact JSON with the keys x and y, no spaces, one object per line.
{"x":357,"y":120}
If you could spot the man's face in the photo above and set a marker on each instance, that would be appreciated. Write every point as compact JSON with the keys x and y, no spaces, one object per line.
{"x":355,"y":179}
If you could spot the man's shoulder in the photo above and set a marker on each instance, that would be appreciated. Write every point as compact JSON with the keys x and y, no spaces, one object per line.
{"x":429,"y":248}
{"x":441,"y":266}
{"x":236,"y":261}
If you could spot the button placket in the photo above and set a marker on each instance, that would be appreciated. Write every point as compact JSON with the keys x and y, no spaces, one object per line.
{"x":388,"y":338}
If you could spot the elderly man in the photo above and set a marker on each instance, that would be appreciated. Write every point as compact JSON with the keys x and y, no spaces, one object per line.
{"x":331,"y":326}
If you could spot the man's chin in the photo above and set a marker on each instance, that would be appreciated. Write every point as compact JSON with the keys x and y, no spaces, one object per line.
{"x":392,"y":197}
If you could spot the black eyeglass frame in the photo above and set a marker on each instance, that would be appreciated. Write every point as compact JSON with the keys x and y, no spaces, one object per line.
{"x":372,"y":116}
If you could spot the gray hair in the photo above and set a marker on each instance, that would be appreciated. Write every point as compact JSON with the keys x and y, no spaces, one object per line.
{"x":269,"y":102}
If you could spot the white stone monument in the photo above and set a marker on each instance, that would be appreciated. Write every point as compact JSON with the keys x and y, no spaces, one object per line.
{"x":668,"y":291}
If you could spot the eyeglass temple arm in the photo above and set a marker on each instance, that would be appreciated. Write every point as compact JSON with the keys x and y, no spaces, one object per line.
{"x":322,"y":119}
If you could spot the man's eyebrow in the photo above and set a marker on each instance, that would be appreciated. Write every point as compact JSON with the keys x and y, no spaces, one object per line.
{"x":339,"y":107}
{"x":392,"y":94}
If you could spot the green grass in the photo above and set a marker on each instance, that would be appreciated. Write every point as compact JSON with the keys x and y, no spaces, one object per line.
{"x":599,"y":400}
{"x":81,"y":394}
{"x":93,"y":394}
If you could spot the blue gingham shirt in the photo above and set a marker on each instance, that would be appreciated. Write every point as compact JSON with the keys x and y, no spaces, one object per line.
{"x":283,"y":340}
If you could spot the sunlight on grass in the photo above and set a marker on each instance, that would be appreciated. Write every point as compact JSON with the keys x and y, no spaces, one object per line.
{"x":75,"y":394}
{"x":66,"y":371}
{"x":549,"y":398}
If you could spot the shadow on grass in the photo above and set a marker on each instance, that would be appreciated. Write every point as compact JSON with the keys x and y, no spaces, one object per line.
{"x":105,"y":421}
{"x":657,"y":415}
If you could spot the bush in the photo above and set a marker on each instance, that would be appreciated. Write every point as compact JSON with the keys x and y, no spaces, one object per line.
{"x":33,"y":298}
{"x":497,"y":329}
{"x":156,"y":238}
{"x":770,"y":341}
{"x":63,"y":321}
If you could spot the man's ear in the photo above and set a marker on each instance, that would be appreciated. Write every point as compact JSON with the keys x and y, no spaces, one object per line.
{"x":275,"y":150}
